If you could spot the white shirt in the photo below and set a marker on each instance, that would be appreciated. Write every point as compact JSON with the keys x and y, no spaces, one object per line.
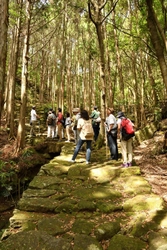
{"x":33,"y":115}
{"x":68,"y":121}
{"x":111,"y":120}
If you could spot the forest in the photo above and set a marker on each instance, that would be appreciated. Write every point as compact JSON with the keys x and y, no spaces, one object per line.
{"x":79,"y":54}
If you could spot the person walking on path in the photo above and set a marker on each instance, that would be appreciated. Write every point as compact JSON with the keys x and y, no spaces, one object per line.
{"x":54,"y":123}
{"x":96,"y":125}
{"x":68,"y":126}
{"x":111,"y":130}
{"x":51,"y":124}
{"x":126,"y":145}
{"x":33,"y":121}
{"x":59,"y":123}
{"x":75,"y":118}
{"x":83,"y":123}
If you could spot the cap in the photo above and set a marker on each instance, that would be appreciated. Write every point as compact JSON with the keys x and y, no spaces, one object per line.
{"x":75,"y":110}
{"x":95,"y":107}
{"x":120,"y":114}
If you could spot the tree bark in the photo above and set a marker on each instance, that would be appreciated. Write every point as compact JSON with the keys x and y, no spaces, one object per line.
{"x":4,"y":4}
{"x":13,"y":65}
{"x":21,"y":128}
{"x":156,"y":41}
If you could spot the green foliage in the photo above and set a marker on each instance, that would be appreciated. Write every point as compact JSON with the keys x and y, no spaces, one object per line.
{"x":8,"y":177}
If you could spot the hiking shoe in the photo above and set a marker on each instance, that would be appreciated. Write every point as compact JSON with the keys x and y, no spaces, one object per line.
{"x":72,"y":161}
{"x":125,"y":165}
{"x":87,"y":162}
{"x":67,"y":141}
{"x":129,"y":164}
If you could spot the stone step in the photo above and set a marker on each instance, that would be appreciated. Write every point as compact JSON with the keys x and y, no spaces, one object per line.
{"x":95,"y":206}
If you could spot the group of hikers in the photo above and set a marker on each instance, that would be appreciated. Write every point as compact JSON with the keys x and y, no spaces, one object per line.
{"x":86,"y":128}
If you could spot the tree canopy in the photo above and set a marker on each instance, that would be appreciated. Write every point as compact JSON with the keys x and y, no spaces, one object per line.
{"x":81,"y":53}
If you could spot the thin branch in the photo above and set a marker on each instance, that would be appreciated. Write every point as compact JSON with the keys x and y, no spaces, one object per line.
{"x":110,"y":11}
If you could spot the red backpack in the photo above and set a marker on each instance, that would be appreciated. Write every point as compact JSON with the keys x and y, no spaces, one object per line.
{"x":127,"y":129}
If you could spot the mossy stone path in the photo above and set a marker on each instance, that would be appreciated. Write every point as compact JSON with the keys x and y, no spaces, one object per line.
{"x":87,"y":207}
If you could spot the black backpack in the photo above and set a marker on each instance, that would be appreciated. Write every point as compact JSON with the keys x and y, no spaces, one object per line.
{"x":63,"y":121}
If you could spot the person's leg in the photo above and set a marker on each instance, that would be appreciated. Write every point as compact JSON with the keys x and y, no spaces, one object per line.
{"x":116,"y":148}
{"x":53,"y":131}
{"x":32,"y":132}
{"x":56,"y":131}
{"x":48,"y":134}
{"x":96,"y":131}
{"x":75,"y":136}
{"x":60,"y":131}
{"x":79,"y":145}
{"x":130,"y":151}
{"x":113,"y":147}
{"x":77,"y":132}
{"x":88,"y":150}
{"x":124,"y":151}
{"x":68,"y":132}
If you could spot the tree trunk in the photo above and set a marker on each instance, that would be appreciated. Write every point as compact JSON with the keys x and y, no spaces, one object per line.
{"x":12,"y":75}
{"x":21,"y":128}
{"x":119,"y":64}
{"x":156,"y":41}
{"x":3,"y":48}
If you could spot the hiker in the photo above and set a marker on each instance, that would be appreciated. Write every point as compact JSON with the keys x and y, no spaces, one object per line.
{"x":75,"y":118}
{"x":33,"y":121}
{"x":126,"y":145}
{"x":54,"y":124}
{"x":50,"y":122}
{"x":95,"y":122}
{"x":111,"y":131}
{"x":68,"y":126}
{"x":86,"y":135}
{"x":59,"y":124}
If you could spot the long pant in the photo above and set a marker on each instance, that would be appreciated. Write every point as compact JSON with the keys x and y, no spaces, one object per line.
{"x":51,"y":131}
{"x":96,"y":129}
{"x":68,"y":132}
{"x":112,"y":143}
{"x":76,"y":135}
{"x":79,"y":145}
{"x":127,"y":150}
{"x":33,"y":128}
{"x":56,"y":132}
{"x":60,"y":128}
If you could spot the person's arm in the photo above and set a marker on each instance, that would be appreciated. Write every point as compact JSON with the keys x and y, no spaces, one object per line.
{"x":37,"y":116}
{"x":110,"y":124}
{"x":80,"y":124}
{"x":110,"y":127}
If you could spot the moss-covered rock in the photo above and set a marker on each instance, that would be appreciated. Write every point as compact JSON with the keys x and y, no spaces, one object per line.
{"x":82,"y":226}
{"x":84,"y":242}
{"x":34,"y":240}
{"x":144,"y":202}
{"x":107,"y":230}
{"x":124,"y":242}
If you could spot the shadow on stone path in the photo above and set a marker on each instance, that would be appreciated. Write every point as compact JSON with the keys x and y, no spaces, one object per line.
{"x":87,"y":207}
